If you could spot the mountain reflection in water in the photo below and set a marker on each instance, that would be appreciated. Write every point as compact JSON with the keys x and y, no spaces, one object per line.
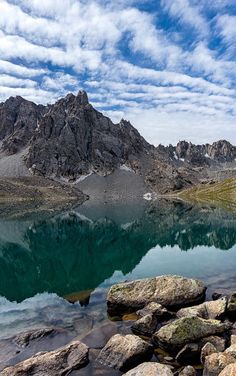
{"x":72,"y":253}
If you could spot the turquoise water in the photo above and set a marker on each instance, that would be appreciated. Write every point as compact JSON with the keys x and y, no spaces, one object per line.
{"x":47,"y":263}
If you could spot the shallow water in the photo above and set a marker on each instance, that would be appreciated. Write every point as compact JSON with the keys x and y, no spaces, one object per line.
{"x":48,"y":264}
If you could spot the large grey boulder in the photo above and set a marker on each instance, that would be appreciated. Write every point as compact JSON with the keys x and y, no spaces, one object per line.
{"x":185,"y":330}
{"x":150,"y":369}
{"x":124,"y":352}
{"x":167,"y":290}
{"x":59,"y":362}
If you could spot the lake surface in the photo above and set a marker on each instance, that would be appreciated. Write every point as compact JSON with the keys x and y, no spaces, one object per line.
{"x":56,"y":270}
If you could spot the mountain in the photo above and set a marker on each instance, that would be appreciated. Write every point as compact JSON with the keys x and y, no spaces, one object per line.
{"x":70,"y":140}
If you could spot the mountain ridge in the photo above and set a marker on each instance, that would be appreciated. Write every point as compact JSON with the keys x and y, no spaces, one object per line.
{"x":70,"y":139}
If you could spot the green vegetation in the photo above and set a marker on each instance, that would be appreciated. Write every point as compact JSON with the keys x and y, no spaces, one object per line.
{"x":221,"y":193}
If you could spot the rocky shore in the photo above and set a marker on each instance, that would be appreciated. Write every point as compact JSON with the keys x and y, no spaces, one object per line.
{"x":158,"y":327}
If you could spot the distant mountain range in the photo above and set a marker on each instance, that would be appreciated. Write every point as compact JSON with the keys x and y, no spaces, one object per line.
{"x":70,"y":139}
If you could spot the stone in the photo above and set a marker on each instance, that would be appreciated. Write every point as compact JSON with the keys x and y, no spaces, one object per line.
{"x":189,"y":354}
{"x":167,"y":290}
{"x":231,"y":351}
{"x":230,"y":370}
{"x":155,"y":309}
{"x":231,"y":307}
{"x":176,"y":334}
{"x":145,"y":326}
{"x":217,"y":342}
{"x":124,"y":352}
{"x":233,"y":339}
{"x":208,"y":310}
{"x":215,"y":363}
{"x":23,"y":339}
{"x":188,"y":371}
{"x":59,"y":362}
{"x":150,"y":369}
{"x":207,"y":349}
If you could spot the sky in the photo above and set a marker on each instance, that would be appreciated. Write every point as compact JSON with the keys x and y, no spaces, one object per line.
{"x":168,"y":66}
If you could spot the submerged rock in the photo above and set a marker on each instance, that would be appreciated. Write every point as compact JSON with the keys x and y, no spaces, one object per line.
{"x":23,"y":339}
{"x":170,"y":291}
{"x":208,"y":310}
{"x":150,"y":369}
{"x":187,"y":329}
{"x":124,"y":352}
{"x":59,"y":362}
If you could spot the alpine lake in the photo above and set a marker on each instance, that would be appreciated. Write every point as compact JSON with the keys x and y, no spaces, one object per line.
{"x":55,"y":269}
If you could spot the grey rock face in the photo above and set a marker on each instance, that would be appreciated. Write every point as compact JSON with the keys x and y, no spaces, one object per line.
{"x":124,"y":352}
{"x":19,"y":118}
{"x":73,"y":139}
{"x":58,"y":362}
{"x":170,"y":291}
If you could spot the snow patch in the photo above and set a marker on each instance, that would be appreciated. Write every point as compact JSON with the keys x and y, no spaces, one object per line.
{"x":181,"y":159}
{"x":147,"y":196}
{"x":124,"y":167}
{"x":175,"y":155}
{"x":82,"y":178}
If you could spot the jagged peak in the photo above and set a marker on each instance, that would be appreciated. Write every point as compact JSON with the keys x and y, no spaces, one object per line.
{"x":82,"y":97}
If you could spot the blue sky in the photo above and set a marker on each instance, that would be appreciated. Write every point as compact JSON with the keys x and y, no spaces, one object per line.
{"x":168,"y":66}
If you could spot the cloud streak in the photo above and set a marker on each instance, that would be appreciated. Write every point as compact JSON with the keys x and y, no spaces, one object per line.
{"x":161,"y":65}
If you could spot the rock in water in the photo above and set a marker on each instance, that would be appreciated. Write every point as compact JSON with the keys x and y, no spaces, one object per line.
{"x":168,"y":290}
{"x":175,"y":335}
{"x":124,"y":352}
{"x":188,"y":371}
{"x":58,"y":362}
{"x":150,"y":369}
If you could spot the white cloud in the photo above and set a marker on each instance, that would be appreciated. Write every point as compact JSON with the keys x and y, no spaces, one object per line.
{"x":187,"y":13}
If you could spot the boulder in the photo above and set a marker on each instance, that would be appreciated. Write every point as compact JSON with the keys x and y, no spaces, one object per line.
{"x":155,"y":309}
{"x":145,"y":326}
{"x":215,"y":363}
{"x":231,"y":307}
{"x":150,"y":369}
{"x":59,"y":362}
{"x":168,"y":290}
{"x":230,"y":370}
{"x":188,"y":371}
{"x":217,"y":342}
{"x":207,"y":350}
{"x":231,"y":351}
{"x":208,"y":310}
{"x":233,"y":339}
{"x":175,"y":335}
{"x":124,"y":352}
